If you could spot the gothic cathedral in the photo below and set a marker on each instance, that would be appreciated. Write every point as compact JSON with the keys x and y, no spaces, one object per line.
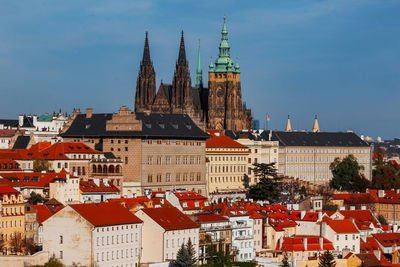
{"x":217,"y":107}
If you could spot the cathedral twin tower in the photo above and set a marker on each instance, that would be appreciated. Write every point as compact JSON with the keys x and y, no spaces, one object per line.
{"x":217,"y":107}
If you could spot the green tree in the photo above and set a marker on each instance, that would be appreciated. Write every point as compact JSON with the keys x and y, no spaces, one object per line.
{"x":268,"y":185}
{"x":246,"y":181}
{"x":327,"y":260}
{"x":285,"y":261}
{"x":36,"y":198}
{"x":384,"y":174}
{"x":347,"y":175}
{"x":303,"y":191}
{"x":40,"y":165}
{"x":192,"y":253}
{"x":53,"y":262}
{"x":186,"y":256}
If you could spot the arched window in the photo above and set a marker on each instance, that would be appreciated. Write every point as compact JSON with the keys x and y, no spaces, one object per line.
{"x":105,"y":169}
{"x":111,"y":169}
{"x":99,"y":169}
{"x":94,"y":169}
{"x":117,"y":169}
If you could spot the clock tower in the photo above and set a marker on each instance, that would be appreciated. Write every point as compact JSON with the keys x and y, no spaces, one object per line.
{"x":225,"y":107}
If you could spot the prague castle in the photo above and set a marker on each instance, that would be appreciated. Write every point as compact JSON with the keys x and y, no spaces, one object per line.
{"x":219,"y":106}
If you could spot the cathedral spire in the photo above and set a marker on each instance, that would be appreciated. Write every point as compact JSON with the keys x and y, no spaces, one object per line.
{"x":315,"y":128}
{"x":288,"y":125}
{"x":199,"y":70}
{"x":146,"y":52}
{"x":182,"y":51}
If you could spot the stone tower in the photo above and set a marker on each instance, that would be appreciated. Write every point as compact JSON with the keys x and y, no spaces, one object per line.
{"x":146,"y":81}
{"x":225,"y":107}
{"x":181,"y":93}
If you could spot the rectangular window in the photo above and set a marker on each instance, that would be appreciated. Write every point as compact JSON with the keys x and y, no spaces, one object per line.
{"x":168,"y":160}
{"x":159,"y":160}
{"x":83,"y":171}
{"x":61,"y":239}
{"x":178,"y":177}
{"x":178,"y":160}
{"x":158,"y":178}
{"x":168,"y":177}
{"x":185,"y":160}
{"x":149,"y":160}
{"x":61,"y":254}
{"x":150,"y":178}
{"x":126,"y":160}
{"x":249,"y":171}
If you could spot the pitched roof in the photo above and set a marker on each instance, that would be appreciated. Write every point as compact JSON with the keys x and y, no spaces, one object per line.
{"x":387,"y":239}
{"x":208,"y":218}
{"x":297,"y":243}
{"x":104,"y":214}
{"x":364,"y":219}
{"x":7,"y":132}
{"x":218,"y":140}
{"x":91,"y":187}
{"x":22,"y":142}
{"x":170,"y":218}
{"x":43,"y":213}
{"x":30,"y":179}
{"x":342,"y":226}
{"x":329,"y":139}
{"x":7,"y":190}
{"x":154,"y":126}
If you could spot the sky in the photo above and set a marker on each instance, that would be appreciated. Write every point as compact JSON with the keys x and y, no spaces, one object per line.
{"x":338,"y":59}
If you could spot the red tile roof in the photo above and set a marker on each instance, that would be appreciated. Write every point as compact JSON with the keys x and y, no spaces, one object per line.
{"x":91,"y":187}
{"x":43,"y":213}
{"x":30,"y":179}
{"x":364,"y":219}
{"x":342,"y":226}
{"x":308,"y":216}
{"x":6,"y":163}
{"x":192,"y":200}
{"x":170,"y":218}
{"x":218,"y":140}
{"x":104,"y":214}
{"x":7,"y":190}
{"x":296,"y":243}
{"x":387,"y":239}
{"x":7,"y":133}
{"x":208,"y":218}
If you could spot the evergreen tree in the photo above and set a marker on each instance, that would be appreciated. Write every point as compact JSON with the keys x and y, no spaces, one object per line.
{"x":285,"y":261}
{"x":327,"y":260}
{"x":191,"y":253}
{"x":268,"y":185}
{"x":246,"y":181}
{"x":182,"y":257}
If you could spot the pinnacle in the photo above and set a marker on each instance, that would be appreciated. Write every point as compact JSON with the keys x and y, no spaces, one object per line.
{"x":182,"y":52}
{"x":146,"y":52}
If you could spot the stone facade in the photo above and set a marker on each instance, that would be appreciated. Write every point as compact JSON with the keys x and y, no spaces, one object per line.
{"x":217,"y":107}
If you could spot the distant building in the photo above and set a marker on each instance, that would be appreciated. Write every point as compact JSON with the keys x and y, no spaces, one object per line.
{"x":152,"y":146}
{"x":226,"y":163}
{"x":256,"y":125}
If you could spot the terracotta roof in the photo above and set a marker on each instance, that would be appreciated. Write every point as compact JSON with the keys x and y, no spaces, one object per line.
{"x":91,"y":187}
{"x":218,"y":140}
{"x":364,"y":219}
{"x":192,"y":200}
{"x":43,"y":213}
{"x":296,"y":243}
{"x":308,"y":216}
{"x":342,"y":226}
{"x":170,"y":218}
{"x":30,"y":179}
{"x":104,"y":214}
{"x":6,"y":163}
{"x":387,"y":239}
{"x":207,"y":218}
{"x":7,"y":133}
{"x":6,"y":189}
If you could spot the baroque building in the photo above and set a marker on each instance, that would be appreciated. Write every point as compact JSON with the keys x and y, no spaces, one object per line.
{"x":219,"y":106}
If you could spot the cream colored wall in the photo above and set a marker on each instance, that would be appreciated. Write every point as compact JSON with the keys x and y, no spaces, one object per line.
{"x":312,"y":163}
{"x":226,"y":168}
{"x":257,"y":234}
{"x":76,"y":235}
{"x":152,"y":239}
{"x":174,"y":239}
{"x":65,"y":192}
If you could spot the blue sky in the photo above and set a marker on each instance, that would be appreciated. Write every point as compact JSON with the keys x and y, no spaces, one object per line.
{"x":339,"y":59}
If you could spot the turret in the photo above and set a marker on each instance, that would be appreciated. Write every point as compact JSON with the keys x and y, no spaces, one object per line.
{"x":288,"y":125}
{"x":315,"y":128}
{"x":199,"y":70}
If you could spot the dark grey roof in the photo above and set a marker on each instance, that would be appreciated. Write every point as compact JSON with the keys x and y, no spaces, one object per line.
{"x":22,"y":142}
{"x":109,"y":155}
{"x":28,"y":122}
{"x":179,"y":126}
{"x":345,"y":139}
{"x":9,"y":123}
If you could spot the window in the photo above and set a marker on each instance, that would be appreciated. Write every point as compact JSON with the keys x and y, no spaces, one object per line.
{"x":126,"y":148}
{"x":126,"y":160}
{"x":61,"y":239}
{"x":61,"y":254}
{"x":158,"y":178}
{"x":159,"y":160}
{"x":168,"y":177}
{"x":59,"y":165}
{"x":150,"y":160}
{"x":178,"y":160}
{"x":168,"y":160}
{"x":185,"y":160}
{"x":249,"y":171}
{"x":345,"y":237}
{"x":178,"y":177}
{"x":150,"y":178}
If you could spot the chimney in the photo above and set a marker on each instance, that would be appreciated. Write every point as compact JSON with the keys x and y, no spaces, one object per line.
{"x":321,"y":243}
{"x":280,"y":242}
{"x":34,"y":120}
{"x":305,"y":243}
{"x":381,"y":193}
{"x":319,"y":216}
{"x":377,"y":253}
{"x":302,"y":214}
{"x":20,"y":120}
{"x":395,"y":228}
{"x":352,"y":207}
{"x":363,"y":207}
{"x":342,"y":208}
{"x":89,"y":113}
{"x":397,"y":191}
{"x":270,"y":135}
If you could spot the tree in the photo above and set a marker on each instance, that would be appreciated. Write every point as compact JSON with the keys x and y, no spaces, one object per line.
{"x":246,"y":181}
{"x":330,"y":207}
{"x":53,"y":262}
{"x":384,"y":174}
{"x":16,"y":243}
{"x":40,"y":165}
{"x":268,"y":185}
{"x":35,"y":198}
{"x":192,"y":253}
{"x":285,"y":261}
{"x":347,"y":175}
{"x":303,"y":191}
{"x":327,"y":260}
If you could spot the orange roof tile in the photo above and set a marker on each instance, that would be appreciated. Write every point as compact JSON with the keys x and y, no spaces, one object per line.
{"x":104,"y":214}
{"x":170,"y":218}
{"x":219,"y":140}
{"x":342,"y":226}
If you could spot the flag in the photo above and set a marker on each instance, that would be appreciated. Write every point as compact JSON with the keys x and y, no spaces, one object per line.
{"x":268,"y":117}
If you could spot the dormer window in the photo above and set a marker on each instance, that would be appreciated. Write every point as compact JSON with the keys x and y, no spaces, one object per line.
{"x":185,"y":205}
